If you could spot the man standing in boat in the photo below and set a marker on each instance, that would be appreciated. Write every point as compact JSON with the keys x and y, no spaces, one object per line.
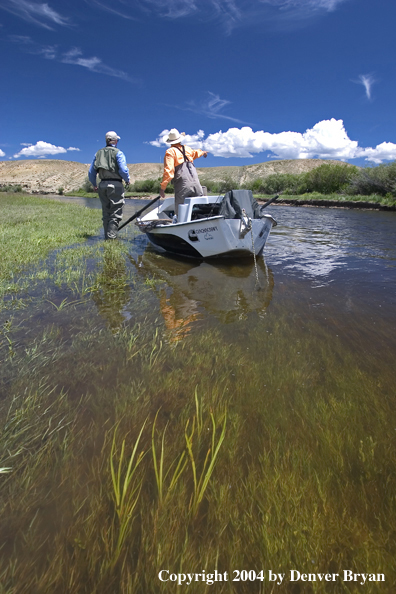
{"x":110,"y":164}
{"x":179,"y":165}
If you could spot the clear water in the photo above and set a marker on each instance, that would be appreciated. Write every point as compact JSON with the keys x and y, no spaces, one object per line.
{"x":301,"y":355}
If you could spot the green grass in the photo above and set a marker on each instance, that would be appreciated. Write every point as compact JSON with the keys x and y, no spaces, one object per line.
{"x":31,"y":227}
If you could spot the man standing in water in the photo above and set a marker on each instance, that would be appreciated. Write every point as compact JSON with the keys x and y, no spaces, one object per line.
{"x":178,"y":164}
{"x":110,"y":164}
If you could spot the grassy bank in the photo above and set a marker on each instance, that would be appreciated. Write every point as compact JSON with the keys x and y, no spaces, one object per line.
{"x":313,"y":198}
{"x":316,"y":199}
{"x":128,"y":194}
{"x":30,"y":227}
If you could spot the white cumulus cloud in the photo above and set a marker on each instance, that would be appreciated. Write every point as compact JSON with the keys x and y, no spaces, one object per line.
{"x":327,"y":139}
{"x":2,"y":153}
{"x":41,"y":149}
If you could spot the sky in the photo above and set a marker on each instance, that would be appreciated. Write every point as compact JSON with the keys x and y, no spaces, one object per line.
{"x":247,"y":80}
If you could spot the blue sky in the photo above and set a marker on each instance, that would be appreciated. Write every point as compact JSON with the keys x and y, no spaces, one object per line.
{"x":247,"y":80}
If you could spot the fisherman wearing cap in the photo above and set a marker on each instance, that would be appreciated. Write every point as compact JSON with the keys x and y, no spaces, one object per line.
{"x":110,"y":164}
{"x":178,"y":164}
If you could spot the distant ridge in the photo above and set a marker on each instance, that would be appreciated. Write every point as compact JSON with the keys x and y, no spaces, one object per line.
{"x":46,"y":176}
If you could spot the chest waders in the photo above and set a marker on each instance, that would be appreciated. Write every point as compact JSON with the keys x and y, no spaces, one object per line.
{"x":111,"y":190}
{"x":185,"y":181}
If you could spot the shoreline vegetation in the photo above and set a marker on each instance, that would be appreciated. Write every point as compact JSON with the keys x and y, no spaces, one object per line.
{"x":373,"y":202}
{"x":328,"y":184}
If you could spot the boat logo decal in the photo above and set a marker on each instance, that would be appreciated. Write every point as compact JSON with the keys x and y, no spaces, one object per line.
{"x":192,"y":235}
{"x":208,"y":236}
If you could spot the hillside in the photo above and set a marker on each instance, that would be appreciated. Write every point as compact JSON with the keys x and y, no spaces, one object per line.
{"x":46,"y":176}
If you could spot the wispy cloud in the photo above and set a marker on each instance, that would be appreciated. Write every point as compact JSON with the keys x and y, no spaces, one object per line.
{"x":41,"y":149}
{"x":327,"y":139}
{"x":73,"y":56}
{"x":212,"y":107}
{"x":110,"y":8}
{"x":94,"y":64}
{"x":228,"y":13}
{"x":40,"y":14}
{"x":367,"y":80}
{"x":173,"y":9}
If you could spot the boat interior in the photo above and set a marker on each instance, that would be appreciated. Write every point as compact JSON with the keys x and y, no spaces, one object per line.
{"x":200,"y":207}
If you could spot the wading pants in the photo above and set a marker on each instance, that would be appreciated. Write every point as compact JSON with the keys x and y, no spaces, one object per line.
{"x":186,"y":183}
{"x":111,"y":194}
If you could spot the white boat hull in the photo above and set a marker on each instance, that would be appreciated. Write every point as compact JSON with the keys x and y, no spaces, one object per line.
{"x":210,"y":237}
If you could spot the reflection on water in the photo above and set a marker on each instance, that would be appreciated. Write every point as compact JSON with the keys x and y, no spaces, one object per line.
{"x":318,"y":243}
{"x":113,"y":290}
{"x":227,"y":291}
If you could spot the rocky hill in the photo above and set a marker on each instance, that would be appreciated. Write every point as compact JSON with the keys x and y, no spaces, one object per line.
{"x":46,"y":176}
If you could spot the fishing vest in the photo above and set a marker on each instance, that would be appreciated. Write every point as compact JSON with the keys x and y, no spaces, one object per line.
{"x":106,"y":163}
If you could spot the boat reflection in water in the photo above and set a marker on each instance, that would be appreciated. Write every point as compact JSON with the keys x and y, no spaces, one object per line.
{"x":191,"y":290}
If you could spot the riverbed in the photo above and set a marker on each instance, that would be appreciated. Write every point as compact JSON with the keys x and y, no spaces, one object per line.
{"x":256,"y":405}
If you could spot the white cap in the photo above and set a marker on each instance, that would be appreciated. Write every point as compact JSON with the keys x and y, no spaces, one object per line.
{"x":112,"y":136}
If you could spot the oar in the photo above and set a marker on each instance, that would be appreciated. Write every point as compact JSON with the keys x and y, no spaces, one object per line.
{"x":139,"y":212}
{"x":269,"y":202}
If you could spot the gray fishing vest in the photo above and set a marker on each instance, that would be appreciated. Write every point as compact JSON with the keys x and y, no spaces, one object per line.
{"x":106,"y":163}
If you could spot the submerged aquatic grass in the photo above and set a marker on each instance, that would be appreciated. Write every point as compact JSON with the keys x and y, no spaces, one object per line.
{"x":302,"y":477}
{"x":264,"y":443}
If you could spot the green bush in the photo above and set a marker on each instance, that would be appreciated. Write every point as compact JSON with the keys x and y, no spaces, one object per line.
{"x":212,"y":186}
{"x":87,"y":186}
{"x":277,"y":182}
{"x":380,"y":179}
{"x":220,"y":186}
{"x":330,"y":178}
{"x":11,"y":188}
{"x":325,"y":179}
{"x":146,"y":185}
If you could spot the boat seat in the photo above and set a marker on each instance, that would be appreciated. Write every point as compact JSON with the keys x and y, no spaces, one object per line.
{"x":202,"y":211}
{"x":199,"y":202}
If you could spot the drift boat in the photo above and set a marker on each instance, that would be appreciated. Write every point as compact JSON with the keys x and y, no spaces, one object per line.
{"x":231,"y":226}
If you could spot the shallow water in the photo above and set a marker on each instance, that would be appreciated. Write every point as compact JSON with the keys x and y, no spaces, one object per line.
{"x":335,"y":266}
{"x":299,"y":353}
